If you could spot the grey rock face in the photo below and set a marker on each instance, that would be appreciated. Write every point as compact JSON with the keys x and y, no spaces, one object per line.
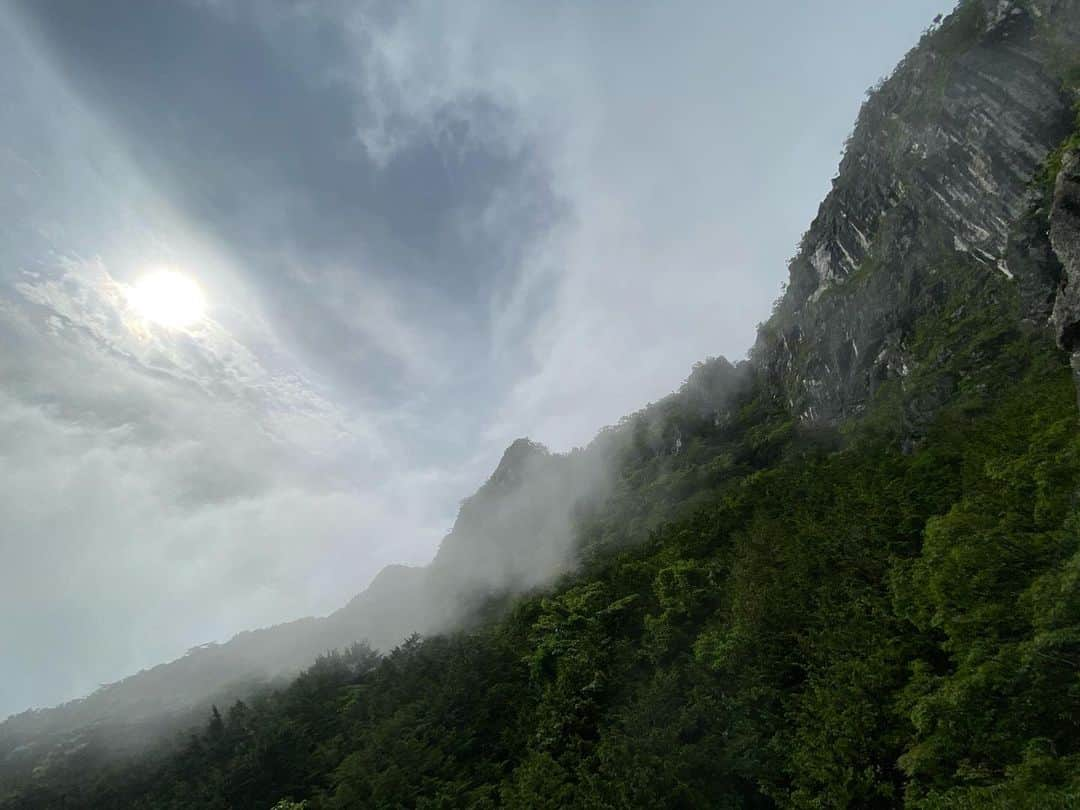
{"x":1031,"y":259}
{"x":1065,"y":239}
{"x":937,"y":173}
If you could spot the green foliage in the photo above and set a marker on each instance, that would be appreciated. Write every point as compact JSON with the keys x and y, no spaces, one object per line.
{"x":959,"y":31}
{"x":768,"y":617}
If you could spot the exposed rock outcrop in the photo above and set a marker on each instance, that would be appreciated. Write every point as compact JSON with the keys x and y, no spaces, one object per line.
{"x":1065,"y":239}
{"x":937,"y":172}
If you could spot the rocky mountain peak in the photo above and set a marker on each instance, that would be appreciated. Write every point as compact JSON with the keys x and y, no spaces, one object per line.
{"x":515,"y":460}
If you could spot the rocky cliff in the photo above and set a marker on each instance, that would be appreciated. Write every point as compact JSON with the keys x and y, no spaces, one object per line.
{"x":1064,"y":236}
{"x":938,"y":173}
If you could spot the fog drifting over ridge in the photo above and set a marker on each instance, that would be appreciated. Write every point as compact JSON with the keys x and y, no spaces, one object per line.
{"x":423,"y":230}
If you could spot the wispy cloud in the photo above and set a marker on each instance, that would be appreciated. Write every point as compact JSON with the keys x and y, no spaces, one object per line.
{"x":81,"y":303}
{"x":423,"y":229}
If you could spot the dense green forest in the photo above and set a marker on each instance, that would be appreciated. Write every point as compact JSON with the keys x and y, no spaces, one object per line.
{"x":773,"y":616}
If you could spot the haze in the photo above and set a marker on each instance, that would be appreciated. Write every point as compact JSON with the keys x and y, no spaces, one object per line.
{"x":421,"y":230}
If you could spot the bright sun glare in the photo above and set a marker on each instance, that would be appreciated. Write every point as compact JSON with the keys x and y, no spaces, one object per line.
{"x":168,"y":298}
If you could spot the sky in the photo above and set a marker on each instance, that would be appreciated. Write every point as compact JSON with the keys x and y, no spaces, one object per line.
{"x":421,"y":231}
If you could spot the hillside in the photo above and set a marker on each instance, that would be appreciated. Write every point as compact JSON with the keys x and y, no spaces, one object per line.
{"x":514,"y":534}
{"x":843,"y":573}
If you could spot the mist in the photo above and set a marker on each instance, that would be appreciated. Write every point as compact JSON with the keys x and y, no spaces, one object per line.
{"x":421,"y":234}
{"x":400,"y":405}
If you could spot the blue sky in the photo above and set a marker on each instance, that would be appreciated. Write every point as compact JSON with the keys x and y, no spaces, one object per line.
{"x":423,"y":229}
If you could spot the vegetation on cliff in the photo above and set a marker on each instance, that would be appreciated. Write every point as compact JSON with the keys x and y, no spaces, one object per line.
{"x":838,"y":622}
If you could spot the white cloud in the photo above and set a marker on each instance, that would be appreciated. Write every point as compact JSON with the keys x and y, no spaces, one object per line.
{"x":105,"y":559}
{"x":164,"y":489}
{"x":689,"y":142}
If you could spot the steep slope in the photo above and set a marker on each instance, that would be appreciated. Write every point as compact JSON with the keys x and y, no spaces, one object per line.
{"x":842,"y":574}
{"x":515,"y":533}
{"x":400,"y":601}
{"x":1063,"y":235}
{"x":938,"y":168}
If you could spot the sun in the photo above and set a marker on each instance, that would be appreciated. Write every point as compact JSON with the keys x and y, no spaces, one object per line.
{"x":168,"y":298}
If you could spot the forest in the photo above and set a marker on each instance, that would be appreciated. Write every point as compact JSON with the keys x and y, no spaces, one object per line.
{"x":774,"y":616}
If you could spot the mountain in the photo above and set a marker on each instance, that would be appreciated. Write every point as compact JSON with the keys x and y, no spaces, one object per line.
{"x":514,"y":534}
{"x":939,"y":167}
{"x":400,"y":601}
{"x":842,"y":573}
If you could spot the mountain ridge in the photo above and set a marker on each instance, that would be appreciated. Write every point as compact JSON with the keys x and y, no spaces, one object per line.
{"x":941,"y":171}
{"x":941,"y":160}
